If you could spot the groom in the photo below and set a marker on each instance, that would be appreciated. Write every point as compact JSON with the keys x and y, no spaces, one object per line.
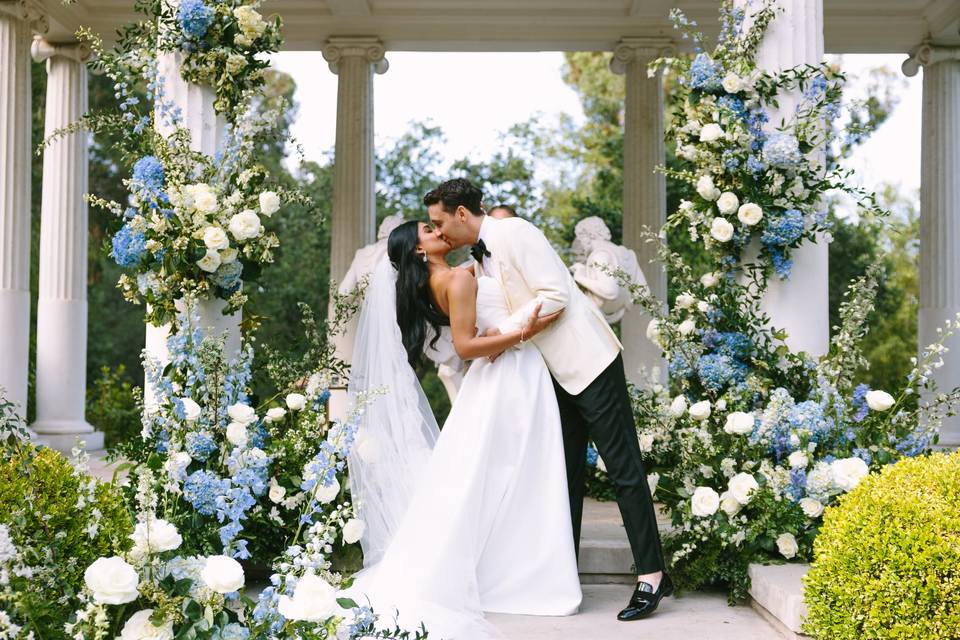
{"x":583,"y":355}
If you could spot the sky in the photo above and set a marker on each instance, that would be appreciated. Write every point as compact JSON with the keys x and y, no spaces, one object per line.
{"x":517,"y":86}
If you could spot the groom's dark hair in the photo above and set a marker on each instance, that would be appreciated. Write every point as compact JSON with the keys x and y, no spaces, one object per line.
{"x":455,"y":193}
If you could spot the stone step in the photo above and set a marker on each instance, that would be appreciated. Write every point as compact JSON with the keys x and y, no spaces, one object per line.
{"x":777,"y":594}
{"x":605,"y":555}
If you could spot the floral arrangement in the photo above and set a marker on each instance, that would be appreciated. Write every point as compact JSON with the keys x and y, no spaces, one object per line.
{"x":752,"y":442}
{"x":755,"y":182}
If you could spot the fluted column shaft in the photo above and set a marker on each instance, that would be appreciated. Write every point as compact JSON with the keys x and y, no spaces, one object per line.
{"x":353,"y":223}
{"x":644,"y":189}
{"x":15,"y":159}
{"x":940,"y":212}
{"x":801,"y":304}
{"x":62,"y":302}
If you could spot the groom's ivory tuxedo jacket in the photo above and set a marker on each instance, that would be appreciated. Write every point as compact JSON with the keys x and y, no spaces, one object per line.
{"x":577,"y":347}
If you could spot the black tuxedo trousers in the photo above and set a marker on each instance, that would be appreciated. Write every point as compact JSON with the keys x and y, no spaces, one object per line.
{"x":602,"y":412}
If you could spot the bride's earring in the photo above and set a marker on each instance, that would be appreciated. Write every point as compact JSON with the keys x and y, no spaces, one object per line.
{"x":423,"y":256}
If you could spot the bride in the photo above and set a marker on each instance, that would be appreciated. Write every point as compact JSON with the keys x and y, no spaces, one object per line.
{"x":477,"y":518}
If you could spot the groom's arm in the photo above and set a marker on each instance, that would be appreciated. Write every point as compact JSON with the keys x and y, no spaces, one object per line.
{"x":543,"y":271}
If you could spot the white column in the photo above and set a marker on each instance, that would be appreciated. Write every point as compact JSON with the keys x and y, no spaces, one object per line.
{"x":940,"y":209}
{"x":353,"y":224}
{"x":800,"y":305}
{"x":644,"y":189}
{"x":62,"y":303}
{"x":15,"y":160}
{"x":206,"y":127}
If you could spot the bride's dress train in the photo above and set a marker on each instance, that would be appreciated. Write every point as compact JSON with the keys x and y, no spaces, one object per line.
{"x":488,"y":527}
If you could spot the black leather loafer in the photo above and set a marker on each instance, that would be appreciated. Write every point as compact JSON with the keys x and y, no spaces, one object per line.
{"x":645,"y":600}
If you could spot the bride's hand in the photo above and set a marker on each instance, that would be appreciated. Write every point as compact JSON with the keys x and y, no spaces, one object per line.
{"x":536,"y":324}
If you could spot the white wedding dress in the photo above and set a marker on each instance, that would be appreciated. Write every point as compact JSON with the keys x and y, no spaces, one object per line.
{"x":487,"y":527}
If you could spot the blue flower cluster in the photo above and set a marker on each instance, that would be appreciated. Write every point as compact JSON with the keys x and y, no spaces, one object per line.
{"x":816,"y":87}
{"x":195,"y":18}
{"x":127,"y":246}
{"x":734,"y":104}
{"x":755,"y":121}
{"x":202,"y":488}
{"x":729,"y":343}
{"x":784,"y":229}
{"x":592,"y":455}
{"x":679,"y":367}
{"x":200,"y":444}
{"x":231,"y":631}
{"x":782,"y":150}
{"x":148,"y":175}
{"x":704,"y":73}
{"x":227,"y":277}
{"x":860,"y":407}
{"x":717,"y":371}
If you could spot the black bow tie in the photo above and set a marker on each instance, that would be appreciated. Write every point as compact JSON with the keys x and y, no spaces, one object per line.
{"x":479,"y":251}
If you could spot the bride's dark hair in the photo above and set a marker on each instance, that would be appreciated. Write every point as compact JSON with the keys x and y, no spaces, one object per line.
{"x":415,"y":306}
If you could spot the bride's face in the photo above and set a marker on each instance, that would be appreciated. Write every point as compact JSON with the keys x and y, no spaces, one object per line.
{"x":431,"y":242}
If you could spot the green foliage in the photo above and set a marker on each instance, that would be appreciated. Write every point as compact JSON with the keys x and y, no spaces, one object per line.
{"x":112,"y":406}
{"x":886,"y":558}
{"x":60,"y":521}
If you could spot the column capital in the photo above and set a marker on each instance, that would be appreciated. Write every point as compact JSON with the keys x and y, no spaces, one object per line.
{"x":367,"y":47}
{"x":41,"y":50}
{"x":638,"y":49}
{"x":27,"y":11}
{"x":926,"y":54}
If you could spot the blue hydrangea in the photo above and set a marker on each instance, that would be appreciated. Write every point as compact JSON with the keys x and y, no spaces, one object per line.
{"x":717,"y":371}
{"x":755,"y":165}
{"x":729,"y":343}
{"x":679,"y":367}
{"x":592,"y":455}
{"x":232,"y":631}
{"x":863,"y":454}
{"x":734,"y":104}
{"x":148,"y":174}
{"x":915,"y":443}
{"x":782,"y":265}
{"x":195,"y":17}
{"x":704,"y":73}
{"x":128,"y":246}
{"x":227,"y":277}
{"x":200,"y":444}
{"x":202,"y":488}
{"x":782,"y":150}
{"x":784,"y":229}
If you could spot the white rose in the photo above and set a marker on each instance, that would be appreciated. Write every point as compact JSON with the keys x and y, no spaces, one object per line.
{"x":653,"y":479}
{"x":700,"y":410}
{"x":191,"y":409}
{"x":848,"y":472}
{"x":237,"y":434}
{"x":739,"y":423}
{"x":728,"y":202}
{"x":653,"y":331}
{"x":269,"y":203}
{"x":732,"y":83}
{"x":741,"y":486}
{"x":327,"y":493}
{"x":721,"y":230}
{"x":729,"y":504}
{"x":222,"y":574}
{"x":210,"y":262}
{"x":204,"y":199}
{"x":215,"y":238}
{"x":711,"y":133}
{"x":155,"y":536}
{"x":240,"y":412}
{"x":276,"y":413}
{"x":685,"y":301}
{"x":277,"y":491}
{"x":353,"y":530}
{"x":687,"y":327}
{"x":787,"y":545}
{"x":703,"y":307}
{"x":710,"y":280}
{"x":296,"y":401}
{"x":245,"y":225}
{"x":704,"y":502}
{"x":228,"y":255}
{"x":112,"y":581}
{"x":139,"y":627}
{"x":797,"y":460}
{"x":679,"y":405}
{"x":646,"y":442}
{"x":811,"y":508}
{"x":314,"y":600}
{"x":879,"y":400}
{"x":706,"y":188}
{"x":749,"y":213}
{"x":721,"y":404}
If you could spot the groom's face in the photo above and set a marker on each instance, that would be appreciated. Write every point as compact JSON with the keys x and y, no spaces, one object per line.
{"x":452,"y":228}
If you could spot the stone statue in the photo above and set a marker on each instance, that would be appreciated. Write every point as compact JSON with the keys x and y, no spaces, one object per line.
{"x":597,"y":260}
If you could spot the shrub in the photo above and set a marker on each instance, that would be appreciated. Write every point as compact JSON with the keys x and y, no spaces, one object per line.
{"x":58,"y":521}
{"x":887,"y":560}
{"x":112,"y":406}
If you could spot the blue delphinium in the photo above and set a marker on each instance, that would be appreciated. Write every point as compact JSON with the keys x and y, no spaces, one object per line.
{"x":860,"y":406}
{"x":128,"y":246}
{"x":195,"y":17}
{"x":148,"y":174}
{"x":704,"y":74}
{"x":817,"y":86}
{"x":914,"y":443}
{"x":202,"y":488}
{"x":716,"y":371}
{"x":782,"y":150}
{"x":798,"y":485}
{"x":200,"y":445}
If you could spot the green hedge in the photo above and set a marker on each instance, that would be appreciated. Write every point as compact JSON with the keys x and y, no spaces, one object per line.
{"x":887,"y":560}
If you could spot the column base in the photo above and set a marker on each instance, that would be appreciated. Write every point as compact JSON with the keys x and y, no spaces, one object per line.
{"x":62,"y":435}
{"x":947,"y":376}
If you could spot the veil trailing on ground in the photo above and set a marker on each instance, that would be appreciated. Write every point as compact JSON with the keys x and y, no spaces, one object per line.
{"x":397,"y":431}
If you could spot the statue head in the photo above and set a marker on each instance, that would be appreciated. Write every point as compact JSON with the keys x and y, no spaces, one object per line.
{"x":389,"y":224}
{"x":589,"y":231}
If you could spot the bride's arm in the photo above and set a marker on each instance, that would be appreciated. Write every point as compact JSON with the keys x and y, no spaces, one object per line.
{"x":461,"y":297}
